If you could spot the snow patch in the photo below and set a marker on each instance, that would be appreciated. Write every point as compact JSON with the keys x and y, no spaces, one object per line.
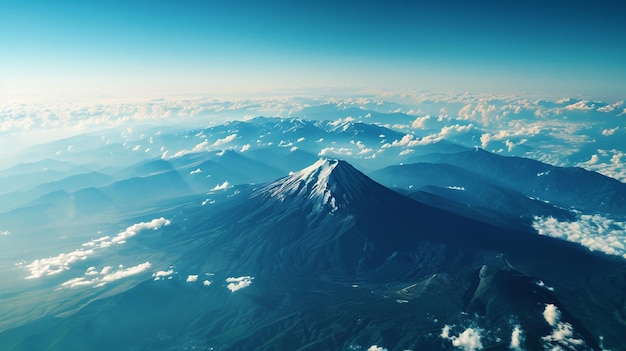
{"x":318,"y":183}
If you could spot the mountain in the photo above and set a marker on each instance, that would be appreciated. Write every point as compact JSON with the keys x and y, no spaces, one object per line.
{"x":69,"y":184}
{"x":475,"y":193}
{"x":144,"y":191}
{"x":326,"y":258}
{"x":562,"y":186}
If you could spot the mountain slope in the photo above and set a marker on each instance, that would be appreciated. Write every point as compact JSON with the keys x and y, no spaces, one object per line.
{"x":562,"y":186}
{"x":334,"y":260}
{"x":476,"y":193}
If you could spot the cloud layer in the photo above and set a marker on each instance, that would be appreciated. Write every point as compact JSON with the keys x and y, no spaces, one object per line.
{"x":596,"y":232}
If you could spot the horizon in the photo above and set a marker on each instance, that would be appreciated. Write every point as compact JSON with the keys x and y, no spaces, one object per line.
{"x":160,"y":49}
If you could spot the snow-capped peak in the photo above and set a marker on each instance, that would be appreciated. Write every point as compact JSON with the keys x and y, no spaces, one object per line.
{"x":327,"y":184}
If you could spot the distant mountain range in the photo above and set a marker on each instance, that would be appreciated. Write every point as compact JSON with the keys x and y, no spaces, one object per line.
{"x":307,"y":234}
{"x":328,"y":259}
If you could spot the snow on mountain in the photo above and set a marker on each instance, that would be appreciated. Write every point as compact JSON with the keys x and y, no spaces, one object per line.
{"x":328,"y":185}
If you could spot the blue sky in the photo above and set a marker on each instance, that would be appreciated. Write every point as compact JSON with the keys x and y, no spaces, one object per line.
{"x":154,"y":48}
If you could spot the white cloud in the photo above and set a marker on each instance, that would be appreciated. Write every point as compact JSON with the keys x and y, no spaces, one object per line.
{"x":4,"y":232}
{"x":582,"y":105}
{"x":192,"y":278}
{"x":611,"y":107}
{"x":195,"y":171}
{"x":562,"y":332}
{"x":57,"y":264}
{"x":607,"y":132}
{"x":376,"y":348}
{"x":124,"y":273}
{"x":63,"y":262}
{"x":445,"y":332}
{"x":517,"y":339}
{"x":301,"y":139}
{"x":543,"y":285}
{"x":593,"y":160}
{"x":239,"y":283}
{"x":335,"y":151}
{"x":419,"y":122}
{"x":468,"y":340}
{"x":203,"y":146}
{"x":245,"y":148}
{"x":551,"y":314}
{"x":225,"y":140}
{"x":136,"y":228}
{"x":406,"y":139}
{"x":614,"y":168}
{"x":206,"y":282}
{"x":162,"y":274}
{"x":106,"y":276}
{"x":509,"y":145}
{"x":222,"y":186}
{"x":596,"y":232}
{"x":485,"y":139}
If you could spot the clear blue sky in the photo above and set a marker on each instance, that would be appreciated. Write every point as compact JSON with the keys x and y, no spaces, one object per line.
{"x":168,"y":47}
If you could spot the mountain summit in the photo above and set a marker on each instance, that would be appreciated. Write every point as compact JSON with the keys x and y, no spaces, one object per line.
{"x":328,"y":185}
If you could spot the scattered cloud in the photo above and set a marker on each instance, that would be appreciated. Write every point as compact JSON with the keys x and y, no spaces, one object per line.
{"x":245,"y":148}
{"x":406,"y":139}
{"x":596,"y":232}
{"x":562,"y":333}
{"x":4,"y":232}
{"x":63,"y":262}
{"x":335,"y":151}
{"x":195,"y":171}
{"x":419,"y":122}
{"x":376,"y":348}
{"x":106,"y":276}
{"x":203,"y":146}
{"x":225,"y":140}
{"x":235,"y":284}
{"x":608,"y":163}
{"x":136,"y":228}
{"x":611,"y":107}
{"x":582,"y":105}
{"x":468,"y":340}
{"x":551,"y":314}
{"x":159,"y":275}
{"x":608,"y":132}
{"x":192,"y":278}
{"x":206,"y":282}
{"x":517,"y":339}
{"x":56,"y":264}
